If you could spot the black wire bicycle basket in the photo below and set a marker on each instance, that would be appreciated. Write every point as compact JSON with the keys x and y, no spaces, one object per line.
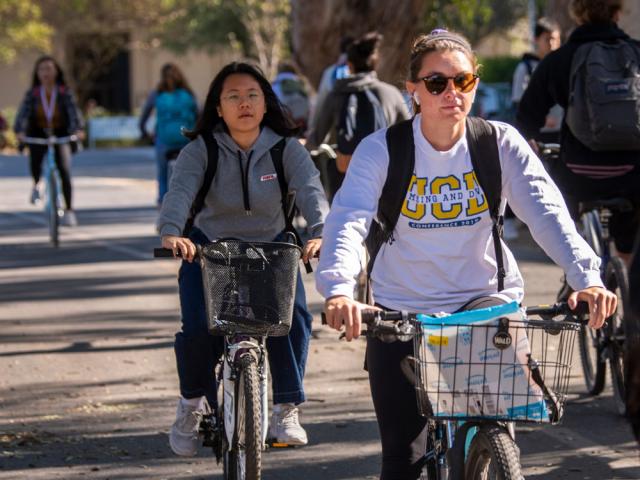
{"x":249,"y":286}
{"x":504,"y":369}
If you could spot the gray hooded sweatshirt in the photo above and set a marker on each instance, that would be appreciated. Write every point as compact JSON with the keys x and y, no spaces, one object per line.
{"x":244,"y":200}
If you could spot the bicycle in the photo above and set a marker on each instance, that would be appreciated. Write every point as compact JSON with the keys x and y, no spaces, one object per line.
{"x":476,"y":373}
{"x":249,"y":294}
{"x":52,"y":183}
{"x":608,"y":343}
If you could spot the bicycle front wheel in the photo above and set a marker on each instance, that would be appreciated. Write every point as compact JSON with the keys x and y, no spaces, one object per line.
{"x":52,"y":210}
{"x":243,"y":460}
{"x":616,"y":280}
{"x":493,"y":455}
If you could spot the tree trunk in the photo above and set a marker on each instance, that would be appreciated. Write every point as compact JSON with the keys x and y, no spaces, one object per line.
{"x":317,"y":27}
{"x":558,"y":10}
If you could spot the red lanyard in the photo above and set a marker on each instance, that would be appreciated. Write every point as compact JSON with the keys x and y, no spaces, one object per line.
{"x":49,"y":108}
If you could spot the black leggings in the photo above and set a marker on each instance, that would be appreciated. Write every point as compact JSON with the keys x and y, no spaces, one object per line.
{"x":403,"y":430}
{"x":63,"y":162}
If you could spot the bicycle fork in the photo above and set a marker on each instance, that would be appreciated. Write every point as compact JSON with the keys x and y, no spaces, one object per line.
{"x":246,"y":346}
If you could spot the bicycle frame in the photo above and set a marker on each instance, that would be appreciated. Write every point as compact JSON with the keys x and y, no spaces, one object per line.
{"x":52,"y":176}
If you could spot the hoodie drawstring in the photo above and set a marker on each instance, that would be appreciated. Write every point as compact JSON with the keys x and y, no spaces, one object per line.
{"x":244,"y":174}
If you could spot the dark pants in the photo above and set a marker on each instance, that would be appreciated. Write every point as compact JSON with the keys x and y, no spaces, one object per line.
{"x":63,"y":162}
{"x":197,"y":352}
{"x":403,"y":431}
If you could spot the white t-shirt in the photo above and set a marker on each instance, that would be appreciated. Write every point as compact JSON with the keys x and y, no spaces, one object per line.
{"x":443,"y":254}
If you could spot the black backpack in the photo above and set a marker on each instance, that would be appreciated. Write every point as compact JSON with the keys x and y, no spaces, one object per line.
{"x":361,"y":114}
{"x":277,"y":152}
{"x":483,"y":147}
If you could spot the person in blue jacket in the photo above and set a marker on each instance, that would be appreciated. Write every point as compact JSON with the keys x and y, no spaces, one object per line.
{"x":176,"y":109}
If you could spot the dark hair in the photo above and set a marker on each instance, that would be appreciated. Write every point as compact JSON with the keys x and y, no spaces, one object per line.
{"x":170,"y":71}
{"x":362,"y":54}
{"x":275,"y":117}
{"x":345,"y":42}
{"x":594,"y":11}
{"x":35,"y":82}
{"x":439,"y":40}
{"x":545,"y":25}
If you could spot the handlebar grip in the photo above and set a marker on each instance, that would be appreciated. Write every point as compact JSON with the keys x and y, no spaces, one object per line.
{"x":370,"y":316}
{"x":162,"y":253}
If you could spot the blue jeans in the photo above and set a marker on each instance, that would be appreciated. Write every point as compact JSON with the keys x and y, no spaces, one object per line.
{"x":161,"y":170}
{"x":197,"y":352}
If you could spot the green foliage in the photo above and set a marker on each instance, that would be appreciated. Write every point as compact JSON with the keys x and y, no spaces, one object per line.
{"x":473,"y":18}
{"x":21,"y":28}
{"x":202,"y":24}
{"x":497,"y":69}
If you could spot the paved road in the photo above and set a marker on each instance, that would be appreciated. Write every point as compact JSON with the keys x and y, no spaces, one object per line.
{"x":88,"y":384}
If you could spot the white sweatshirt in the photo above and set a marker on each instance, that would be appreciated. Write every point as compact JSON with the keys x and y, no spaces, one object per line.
{"x":443,"y":254}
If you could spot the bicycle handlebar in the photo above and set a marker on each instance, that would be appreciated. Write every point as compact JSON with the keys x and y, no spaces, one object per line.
{"x":52,"y":140}
{"x":326,"y":149}
{"x":389,"y":322}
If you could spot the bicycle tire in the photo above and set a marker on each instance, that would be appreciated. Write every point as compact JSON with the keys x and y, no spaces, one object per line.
{"x":594,"y":365}
{"x":52,"y":211}
{"x":244,"y":462}
{"x":493,"y":455}
{"x":591,"y":230}
{"x":617,"y":281}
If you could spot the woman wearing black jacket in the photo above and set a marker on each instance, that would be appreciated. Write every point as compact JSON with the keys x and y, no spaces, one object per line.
{"x":50,"y":108}
{"x":582,"y":173}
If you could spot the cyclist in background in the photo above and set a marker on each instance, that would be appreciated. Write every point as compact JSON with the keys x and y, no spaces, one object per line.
{"x":330,"y":75}
{"x":245,"y":202}
{"x":581,"y":172}
{"x":386,"y":107}
{"x":546,"y":39}
{"x":440,"y":257}
{"x":291,"y":90}
{"x":176,"y":108}
{"x":49,"y":107}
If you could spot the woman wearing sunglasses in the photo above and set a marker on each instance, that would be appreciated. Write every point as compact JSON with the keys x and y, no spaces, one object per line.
{"x":441,"y":256}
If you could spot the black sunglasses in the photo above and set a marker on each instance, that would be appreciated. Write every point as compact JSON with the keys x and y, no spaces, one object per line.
{"x":437,"y":83}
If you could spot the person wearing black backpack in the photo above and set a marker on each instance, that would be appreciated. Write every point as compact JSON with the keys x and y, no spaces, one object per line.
{"x":594,"y":77}
{"x":357,"y":106}
{"x":232,"y":180}
{"x":428,"y":195}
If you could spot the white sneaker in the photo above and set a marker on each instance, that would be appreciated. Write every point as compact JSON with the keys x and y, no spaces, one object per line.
{"x":36,"y":197}
{"x":69,"y":219}
{"x":285,"y":426}
{"x":183,"y":438}
{"x":510,"y":229}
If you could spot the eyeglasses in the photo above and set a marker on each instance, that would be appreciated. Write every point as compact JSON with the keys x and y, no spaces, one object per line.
{"x":253,"y":98}
{"x":437,"y":83}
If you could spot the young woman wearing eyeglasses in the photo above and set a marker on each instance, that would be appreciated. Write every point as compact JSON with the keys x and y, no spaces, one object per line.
{"x":244,"y":202}
{"x":441,"y":257}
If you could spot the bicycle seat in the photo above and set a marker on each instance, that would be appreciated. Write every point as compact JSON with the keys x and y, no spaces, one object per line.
{"x":615,"y":204}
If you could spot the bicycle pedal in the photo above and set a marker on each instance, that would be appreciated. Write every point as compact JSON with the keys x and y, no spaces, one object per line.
{"x":272,"y":443}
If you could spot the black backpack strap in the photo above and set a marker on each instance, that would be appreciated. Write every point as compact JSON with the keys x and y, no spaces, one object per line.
{"x":210,"y":172}
{"x":277,"y":154}
{"x":288,"y":210}
{"x":400,"y":146}
{"x":485,"y":158}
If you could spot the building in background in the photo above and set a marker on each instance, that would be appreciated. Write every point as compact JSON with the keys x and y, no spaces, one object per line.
{"x":124,"y":83}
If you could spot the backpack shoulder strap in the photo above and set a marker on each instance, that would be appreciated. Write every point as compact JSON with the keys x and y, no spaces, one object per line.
{"x":288,"y":207}
{"x":277,"y":155}
{"x":485,"y":158}
{"x":400,"y":146}
{"x":210,"y":172}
